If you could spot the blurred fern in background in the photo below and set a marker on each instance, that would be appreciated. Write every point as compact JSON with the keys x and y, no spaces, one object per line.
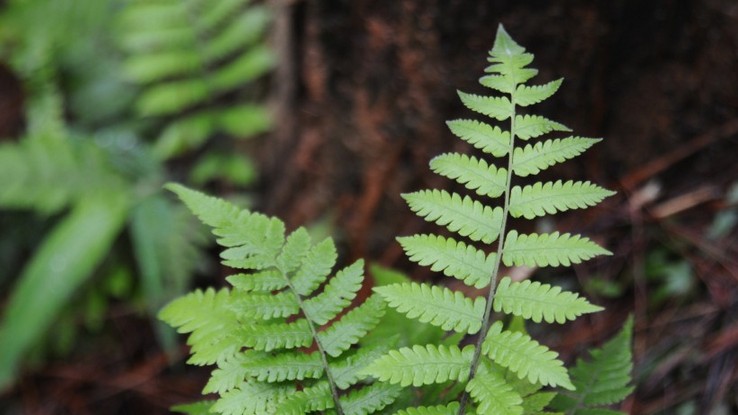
{"x":100,"y":124}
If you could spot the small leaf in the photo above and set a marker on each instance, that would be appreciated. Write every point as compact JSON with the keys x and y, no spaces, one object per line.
{"x":540,"y":199}
{"x":491,"y":140}
{"x":548,"y":249}
{"x":531,"y":126}
{"x":422,"y":365}
{"x":538,"y":302}
{"x":472,"y":172}
{"x":498,"y":108}
{"x":493,"y":395}
{"x":532,"y":159}
{"x":528,"y":95}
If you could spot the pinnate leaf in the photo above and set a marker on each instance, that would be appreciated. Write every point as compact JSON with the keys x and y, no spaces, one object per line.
{"x":548,"y":249}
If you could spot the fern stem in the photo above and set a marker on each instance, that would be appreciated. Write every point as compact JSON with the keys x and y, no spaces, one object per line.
{"x":487,"y":320}
{"x":321,"y":350}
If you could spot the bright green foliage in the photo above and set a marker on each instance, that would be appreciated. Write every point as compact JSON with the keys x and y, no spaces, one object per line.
{"x":284,"y":302}
{"x":537,"y":302}
{"x":602,"y":381}
{"x":505,"y":370}
{"x":187,"y":54}
{"x":449,"y":409}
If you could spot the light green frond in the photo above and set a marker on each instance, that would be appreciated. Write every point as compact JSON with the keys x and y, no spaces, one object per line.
{"x":252,"y":398}
{"x":548,"y":249}
{"x":348,"y":370}
{"x":315,"y":267}
{"x":526,"y":95}
{"x":497,"y":82}
{"x":347,"y":331}
{"x":605,"y":379}
{"x":474,"y":173}
{"x":526,"y":357}
{"x":540,"y":302}
{"x":229,"y":374}
{"x":493,"y":395}
{"x":265,"y":306}
{"x":540,"y":198}
{"x":310,"y":399}
{"x":206,"y":315}
{"x":369,"y":399}
{"x":258,"y":251}
{"x":294,"y":251}
{"x":423,"y":365}
{"x":465,"y":215}
{"x":499,"y":108}
{"x":439,"y":306}
{"x":450,"y":409}
{"x":285,"y":366}
{"x":263,"y":281}
{"x":270,"y":336}
{"x":454,"y":258}
{"x":531,"y":126}
{"x":336,"y":296}
{"x":532,"y":159}
{"x":195,"y":408}
{"x":535,"y":404}
{"x":491,"y":140}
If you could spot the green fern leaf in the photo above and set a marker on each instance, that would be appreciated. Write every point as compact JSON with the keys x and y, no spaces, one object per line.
{"x":531,"y":126}
{"x":369,"y":399}
{"x":450,"y":409}
{"x":265,"y":306}
{"x":313,"y":398}
{"x":315,"y":267}
{"x":472,"y":172}
{"x":454,"y":258}
{"x":422,"y":365}
{"x":196,"y":408}
{"x":442,"y":307}
{"x":548,"y":249}
{"x":497,"y":82}
{"x":605,"y":379}
{"x":495,"y":107}
{"x":346,"y":332}
{"x":532,"y":159}
{"x":528,"y":95}
{"x":485,"y":137}
{"x":336,"y":296}
{"x":252,"y":398}
{"x":294,"y":251}
{"x":285,"y":366}
{"x":229,"y":374}
{"x":466,"y":216}
{"x":539,"y":302}
{"x":525,"y":356}
{"x":207,"y":315}
{"x":348,"y":371}
{"x":540,"y":199}
{"x":262,"y":281}
{"x":493,"y":395}
{"x":268,"y":337}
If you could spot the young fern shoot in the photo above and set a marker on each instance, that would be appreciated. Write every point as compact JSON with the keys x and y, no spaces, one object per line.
{"x":505,"y":370}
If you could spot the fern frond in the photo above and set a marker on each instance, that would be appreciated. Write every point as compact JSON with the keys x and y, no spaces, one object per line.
{"x":495,"y":107}
{"x":270,"y":336}
{"x":266,"y":306}
{"x":348,"y":371}
{"x":230,"y":373}
{"x":442,"y":307}
{"x":472,"y":172}
{"x":454,"y":258}
{"x":296,"y":248}
{"x":531,"y":126}
{"x":533,"y":158}
{"x":493,"y":395}
{"x":347,"y":331}
{"x":422,"y":365}
{"x":540,"y":199}
{"x":336,"y":296}
{"x":450,"y":409}
{"x":526,"y":95}
{"x":492,"y":140}
{"x":369,"y":399}
{"x":315,"y":267}
{"x":538,"y":302}
{"x":310,"y":399}
{"x":262,"y":281}
{"x":285,"y":366}
{"x":525,"y":356}
{"x":195,"y":408}
{"x":252,"y":398}
{"x":208,"y":316}
{"x":548,"y":249}
{"x":466,"y":216}
{"x":605,"y":379}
